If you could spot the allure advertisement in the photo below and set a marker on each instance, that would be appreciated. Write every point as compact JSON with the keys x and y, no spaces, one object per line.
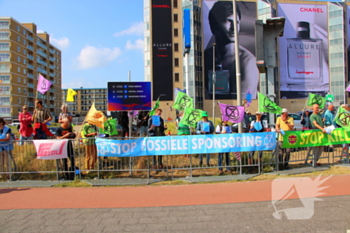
{"x":219,"y":49}
{"x":348,"y":45}
{"x":162,"y":50}
{"x":303,"y":50}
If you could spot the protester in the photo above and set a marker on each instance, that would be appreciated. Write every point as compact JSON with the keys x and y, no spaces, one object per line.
{"x":256,"y":126}
{"x":143,"y":123}
{"x":41,"y":117}
{"x":124,"y":122}
{"x":223,"y":128}
{"x":247,"y":119}
{"x":317,"y":123}
{"x":65,"y":114}
{"x":5,"y":146}
{"x":26,"y":129}
{"x":284,"y":123}
{"x":181,"y":128}
{"x":155,"y":131}
{"x":305,"y":120}
{"x":65,"y":131}
{"x":204,"y":127}
{"x":328,"y":121}
{"x":89,"y":132}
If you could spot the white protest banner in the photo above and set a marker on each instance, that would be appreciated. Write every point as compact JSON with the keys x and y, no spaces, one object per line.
{"x":51,"y":149}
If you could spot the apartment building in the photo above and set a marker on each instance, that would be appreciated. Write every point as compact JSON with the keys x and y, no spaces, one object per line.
{"x":84,"y":99}
{"x":24,"y":54}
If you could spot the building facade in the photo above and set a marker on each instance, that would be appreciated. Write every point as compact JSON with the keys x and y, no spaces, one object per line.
{"x":24,"y":54}
{"x":84,"y":99}
{"x":323,"y":71}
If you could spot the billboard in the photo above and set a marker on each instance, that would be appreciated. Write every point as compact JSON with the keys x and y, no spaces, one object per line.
{"x":303,"y":50}
{"x":129,"y":96}
{"x":218,"y":28}
{"x":348,"y":42}
{"x":162,"y":59}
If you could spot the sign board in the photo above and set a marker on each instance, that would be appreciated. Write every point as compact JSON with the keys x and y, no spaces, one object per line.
{"x":129,"y":96}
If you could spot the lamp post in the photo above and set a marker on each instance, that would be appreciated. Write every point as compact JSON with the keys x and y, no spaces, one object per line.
{"x":214,"y":82}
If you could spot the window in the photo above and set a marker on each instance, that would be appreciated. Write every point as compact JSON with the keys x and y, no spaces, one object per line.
{"x":4,"y":67}
{"x":175,"y":3}
{"x":24,"y":61}
{"x":5,"y":90}
{"x":24,"y":41}
{"x":18,"y":38}
{"x":18,"y":59}
{"x":19,"y":79}
{"x":4,"y":35}
{"x":176,"y":48}
{"x":25,"y":81}
{"x":176,"y":62}
{"x":24,"y":32}
{"x":19,"y":100}
{"x":5,"y":78}
{"x":24,"y":71}
{"x":24,"y":91}
{"x":19,"y":69}
{"x":4,"y":57}
{"x":5,"y":112}
{"x":4,"y":100}
{"x":4,"y":25}
{"x":177,"y":77}
{"x":24,"y":51}
{"x":4,"y":46}
{"x":19,"y":90}
{"x":176,"y":32}
{"x":18,"y":49}
{"x":176,"y":18}
{"x":18,"y":28}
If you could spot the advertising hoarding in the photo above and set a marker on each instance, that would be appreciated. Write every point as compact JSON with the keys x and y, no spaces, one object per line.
{"x":218,"y":28}
{"x":162,"y":59}
{"x":129,"y":96}
{"x":303,"y":50}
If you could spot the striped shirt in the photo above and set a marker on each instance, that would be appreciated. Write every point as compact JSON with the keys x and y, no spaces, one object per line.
{"x":40,"y":115}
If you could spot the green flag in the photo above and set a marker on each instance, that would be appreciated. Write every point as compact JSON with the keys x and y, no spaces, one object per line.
{"x":182,"y":101}
{"x":110,"y":127}
{"x":266,"y":105}
{"x":343,"y":118}
{"x":153,"y":111}
{"x":191,"y":117}
{"x":316,"y":99}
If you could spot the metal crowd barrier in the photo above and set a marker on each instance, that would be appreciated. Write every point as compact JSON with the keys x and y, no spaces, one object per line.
{"x":21,"y":163}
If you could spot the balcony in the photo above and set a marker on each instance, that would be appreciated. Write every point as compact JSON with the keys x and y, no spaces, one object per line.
{"x":30,"y":38}
{"x":52,"y":59}
{"x":52,"y":90}
{"x":30,"y":76}
{"x":5,"y":70}
{"x":52,"y":51}
{"x":41,"y":70}
{"x":30,"y":85}
{"x":41,"y":62}
{"x":5,"y":38}
{"x":30,"y":47}
{"x":30,"y":66}
{"x":30,"y":94}
{"x":52,"y":66}
{"x":30,"y":57}
{"x":4,"y":48}
{"x":52,"y":74}
{"x":30,"y":104}
{"x":41,"y":53}
{"x":41,"y":45}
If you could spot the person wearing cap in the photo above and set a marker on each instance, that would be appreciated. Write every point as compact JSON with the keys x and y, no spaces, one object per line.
{"x":284,"y":123}
{"x":305,"y":120}
{"x":223,"y":128}
{"x":328,"y":121}
{"x":317,"y":123}
{"x":256,"y":126}
{"x":204,"y":127}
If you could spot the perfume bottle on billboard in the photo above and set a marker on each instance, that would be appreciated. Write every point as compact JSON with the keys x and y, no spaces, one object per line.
{"x":222,"y":80}
{"x":304,"y":57}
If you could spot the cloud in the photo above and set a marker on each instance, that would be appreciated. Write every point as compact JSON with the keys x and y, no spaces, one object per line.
{"x":137,"y":45}
{"x":91,"y":57}
{"x":62,"y":43}
{"x":135,"y":29}
{"x":77,"y":83}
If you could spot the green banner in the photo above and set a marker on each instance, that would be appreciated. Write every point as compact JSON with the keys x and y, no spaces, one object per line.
{"x":310,"y":138}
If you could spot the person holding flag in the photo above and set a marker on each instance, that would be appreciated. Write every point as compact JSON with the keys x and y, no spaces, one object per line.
{"x":317,"y":123}
{"x":41,"y":117}
{"x":204,"y":127}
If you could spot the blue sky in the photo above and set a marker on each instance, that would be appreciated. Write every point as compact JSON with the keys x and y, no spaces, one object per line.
{"x":100,"y":40}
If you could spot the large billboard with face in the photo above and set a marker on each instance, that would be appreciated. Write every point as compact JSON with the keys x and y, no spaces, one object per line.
{"x":218,"y":28}
{"x":162,"y":50}
{"x":348,"y":45}
{"x":303,"y":50}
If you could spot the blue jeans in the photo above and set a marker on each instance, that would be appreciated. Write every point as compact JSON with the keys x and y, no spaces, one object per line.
{"x":40,"y":134}
{"x":227,"y":160}
{"x":201,"y":158}
{"x":22,"y":139}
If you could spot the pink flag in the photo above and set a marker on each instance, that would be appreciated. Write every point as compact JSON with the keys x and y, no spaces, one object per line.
{"x":348,"y":88}
{"x":133,"y":113}
{"x":231,"y":113}
{"x":43,"y":84}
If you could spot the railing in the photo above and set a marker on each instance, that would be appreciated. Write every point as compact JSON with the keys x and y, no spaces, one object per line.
{"x":41,"y":62}
{"x":30,"y":85}
{"x":30,"y":57}
{"x":52,"y":59}
{"x":30,"y":76}
{"x":30,"y":47}
{"x":52,"y":66}
{"x":30,"y":94}
{"x":41,"y":70}
{"x":41,"y":53}
{"x":41,"y":45}
{"x":52,"y":74}
{"x":30,"y":38}
{"x":30,"y":66}
{"x":22,"y":163}
{"x":52,"y":51}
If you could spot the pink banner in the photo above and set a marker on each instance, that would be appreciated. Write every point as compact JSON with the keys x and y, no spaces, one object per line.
{"x":231,"y":113}
{"x":51,"y":149}
{"x":43,"y":84}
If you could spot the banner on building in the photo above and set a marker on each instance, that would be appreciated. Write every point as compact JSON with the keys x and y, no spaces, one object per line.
{"x":218,"y":28}
{"x":310,"y":138}
{"x":303,"y":50}
{"x":187,"y":144}
{"x":51,"y":149}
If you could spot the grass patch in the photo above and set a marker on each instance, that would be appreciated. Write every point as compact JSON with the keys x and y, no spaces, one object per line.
{"x":75,"y":183}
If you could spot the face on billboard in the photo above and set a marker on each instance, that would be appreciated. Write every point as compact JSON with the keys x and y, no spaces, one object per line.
{"x":218,"y":28}
{"x":303,"y":50}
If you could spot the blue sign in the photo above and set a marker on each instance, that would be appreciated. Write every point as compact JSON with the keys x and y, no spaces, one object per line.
{"x":129,"y":96}
{"x":186,"y":29}
{"x":189,"y":144}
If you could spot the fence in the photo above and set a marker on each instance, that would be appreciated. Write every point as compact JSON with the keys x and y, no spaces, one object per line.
{"x":21,"y":163}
